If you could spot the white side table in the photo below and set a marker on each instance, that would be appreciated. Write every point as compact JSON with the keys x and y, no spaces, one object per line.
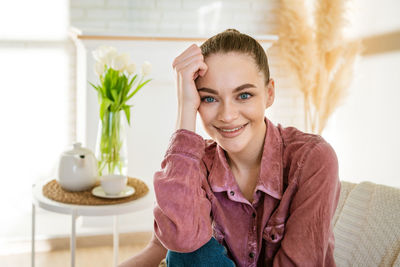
{"x":39,"y":200}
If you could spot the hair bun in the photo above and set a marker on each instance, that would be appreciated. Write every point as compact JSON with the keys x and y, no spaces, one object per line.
{"x":232,"y":30}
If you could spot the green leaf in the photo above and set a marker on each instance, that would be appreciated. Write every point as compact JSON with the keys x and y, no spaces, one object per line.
{"x":114,"y":94}
{"x":97,"y":88}
{"x":127,"y":111}
{"x":131,"y":82}
{"x":115,"y":90}
{"x":138,"y":88}
{"x":105,"y":104}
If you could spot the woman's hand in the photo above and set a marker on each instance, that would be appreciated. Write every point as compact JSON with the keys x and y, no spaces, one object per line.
{"x":150,"y":256}
{"x":188,"y":66}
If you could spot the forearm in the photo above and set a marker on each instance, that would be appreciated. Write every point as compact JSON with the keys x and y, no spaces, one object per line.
{"x":182,"y":210}
{"x":186,"y":118}
{"x":151,"y":256}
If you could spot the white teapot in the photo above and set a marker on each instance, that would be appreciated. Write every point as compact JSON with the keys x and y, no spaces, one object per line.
{"x":77,"y":169}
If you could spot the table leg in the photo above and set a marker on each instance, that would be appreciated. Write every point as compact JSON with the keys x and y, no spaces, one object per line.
{"x":116,"y":241}
{"x":33,"y":236}
{"x":72,"y":241}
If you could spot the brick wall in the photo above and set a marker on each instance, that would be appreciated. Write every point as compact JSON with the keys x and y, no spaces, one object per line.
{"x":174,"y":16}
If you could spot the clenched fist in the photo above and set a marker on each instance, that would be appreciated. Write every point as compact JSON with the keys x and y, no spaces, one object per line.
{"x":188,"y":66}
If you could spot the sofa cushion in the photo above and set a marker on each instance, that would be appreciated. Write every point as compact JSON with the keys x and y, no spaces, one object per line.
{"x":345,"y":189}
{"x":367,"y":224}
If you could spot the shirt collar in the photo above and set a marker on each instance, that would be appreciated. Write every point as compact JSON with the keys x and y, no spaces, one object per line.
{"x":271,"y":173}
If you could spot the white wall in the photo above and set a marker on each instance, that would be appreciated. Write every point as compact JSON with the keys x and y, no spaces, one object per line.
{"x":365,"y":129}
{"x":373,"y":17}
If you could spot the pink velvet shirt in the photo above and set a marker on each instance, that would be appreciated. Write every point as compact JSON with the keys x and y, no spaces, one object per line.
{"x":289,"y":221}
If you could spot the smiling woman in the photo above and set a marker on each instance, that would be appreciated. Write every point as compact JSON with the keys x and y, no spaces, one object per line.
{"x":256,"y":194}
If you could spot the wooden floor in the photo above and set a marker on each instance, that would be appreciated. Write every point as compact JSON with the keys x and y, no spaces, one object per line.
{"x":90,"y":251}
{"x":85,"y":257}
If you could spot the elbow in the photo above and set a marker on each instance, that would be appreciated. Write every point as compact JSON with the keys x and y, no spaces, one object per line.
{"x":183,"y":231}
{"x":186,"y":244}
{"x":182,"y":240}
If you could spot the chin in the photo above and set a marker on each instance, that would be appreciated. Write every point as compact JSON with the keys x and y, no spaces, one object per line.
{"x":233,"y":146}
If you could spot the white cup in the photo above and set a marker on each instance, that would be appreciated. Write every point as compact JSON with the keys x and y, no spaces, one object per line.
{"x":113,"y":184}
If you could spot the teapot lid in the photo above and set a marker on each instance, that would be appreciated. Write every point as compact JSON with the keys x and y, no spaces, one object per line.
{"x":78,"y":150}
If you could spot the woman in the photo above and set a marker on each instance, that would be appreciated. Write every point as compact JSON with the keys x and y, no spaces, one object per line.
{"x":256,"y":194}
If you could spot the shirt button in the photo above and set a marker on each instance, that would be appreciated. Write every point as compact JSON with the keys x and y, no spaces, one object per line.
{"x":232,"y":193}
{"x":254,"y":214}
{"x":251,"y":255}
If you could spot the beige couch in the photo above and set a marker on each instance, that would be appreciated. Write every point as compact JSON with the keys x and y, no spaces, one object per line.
{"x":366,"y":226}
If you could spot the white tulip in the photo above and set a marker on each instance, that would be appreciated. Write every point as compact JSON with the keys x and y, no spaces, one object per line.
{"x":98,"y":54}
{"x":99,"y":68}
{"x":125,"y":58}
{"x":104,"y":54}
{"x":109,"y":57}
{"x":131,"y":68}
{"x":146,"y":68}
{"x":120,"y":61}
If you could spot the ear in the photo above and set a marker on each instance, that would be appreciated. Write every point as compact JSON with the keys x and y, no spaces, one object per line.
{"x":270,"y":92}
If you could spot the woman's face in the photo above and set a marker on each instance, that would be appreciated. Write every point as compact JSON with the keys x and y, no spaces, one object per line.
{"x":233,"y":100}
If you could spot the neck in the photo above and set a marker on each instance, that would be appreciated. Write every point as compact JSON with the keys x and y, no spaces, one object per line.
{"x":250,"y":158}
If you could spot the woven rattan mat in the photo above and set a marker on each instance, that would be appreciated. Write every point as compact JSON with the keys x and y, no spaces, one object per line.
{"x":54,"y":191}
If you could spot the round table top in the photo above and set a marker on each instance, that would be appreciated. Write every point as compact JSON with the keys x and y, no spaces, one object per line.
{"x":40,"y":200}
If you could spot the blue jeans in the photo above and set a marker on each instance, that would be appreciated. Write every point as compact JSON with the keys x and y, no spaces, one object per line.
{"x":211,"y":254}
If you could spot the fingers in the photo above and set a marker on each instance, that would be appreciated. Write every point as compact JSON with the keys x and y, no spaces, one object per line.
{"x":190,"y":63}
{"x":201,"y":70}
{"x":188,"y":67}
{"x":192,"y":67}
{"x":194,"y":59}
{"x":191,"y":51}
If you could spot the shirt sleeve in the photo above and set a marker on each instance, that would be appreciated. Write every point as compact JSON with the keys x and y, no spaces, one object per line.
{"x":308,"y":238}
{"x":182,"y":219}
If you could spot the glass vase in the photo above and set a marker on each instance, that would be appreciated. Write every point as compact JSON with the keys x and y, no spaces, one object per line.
{"x":111,"y":144}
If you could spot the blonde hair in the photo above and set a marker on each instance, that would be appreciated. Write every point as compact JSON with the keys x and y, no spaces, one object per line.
{"x":232,"y":40}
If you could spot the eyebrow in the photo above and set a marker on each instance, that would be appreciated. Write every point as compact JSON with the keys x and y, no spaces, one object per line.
{"x":237,"y":89}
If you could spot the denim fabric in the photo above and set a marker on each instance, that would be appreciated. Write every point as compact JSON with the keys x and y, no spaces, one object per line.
{"x":211,"y":254}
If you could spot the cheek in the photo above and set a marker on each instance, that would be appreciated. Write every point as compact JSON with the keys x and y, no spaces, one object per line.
{"x":207,"y":111}
{"x":205,"y":114}
{"x":207,"y":120}
{"x":255,"y":109}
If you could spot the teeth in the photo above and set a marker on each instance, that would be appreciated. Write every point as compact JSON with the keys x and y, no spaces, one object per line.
{"x":231,"y":130}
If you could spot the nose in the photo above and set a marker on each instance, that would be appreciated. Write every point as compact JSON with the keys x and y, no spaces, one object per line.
{"x":228,"y":112}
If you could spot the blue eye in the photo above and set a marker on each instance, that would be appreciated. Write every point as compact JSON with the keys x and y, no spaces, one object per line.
{"x":208,"y":99}
{"x":245,"y":96}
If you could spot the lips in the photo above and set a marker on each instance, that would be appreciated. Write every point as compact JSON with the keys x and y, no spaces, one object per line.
{"x":231,"y":131}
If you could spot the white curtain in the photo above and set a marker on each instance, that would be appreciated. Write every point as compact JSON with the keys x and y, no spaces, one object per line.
{"x":37,"y":103}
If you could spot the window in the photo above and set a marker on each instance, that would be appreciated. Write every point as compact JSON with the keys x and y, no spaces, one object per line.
{"x":37,"y":103}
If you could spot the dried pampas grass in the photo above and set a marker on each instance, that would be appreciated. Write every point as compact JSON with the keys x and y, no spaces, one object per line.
{"x":317,"y":53}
